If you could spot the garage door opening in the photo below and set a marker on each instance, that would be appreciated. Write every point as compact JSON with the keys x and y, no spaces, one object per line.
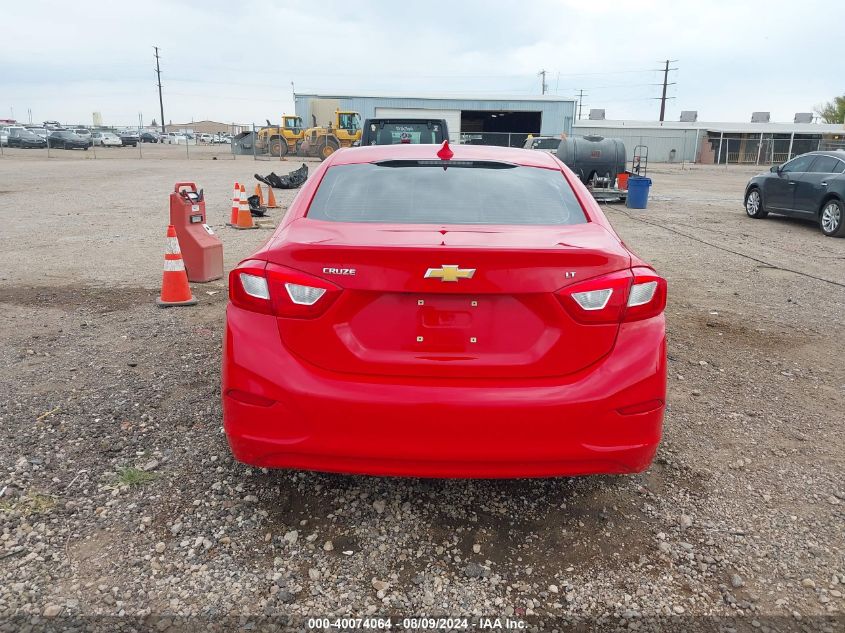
{"x":508,"y":129}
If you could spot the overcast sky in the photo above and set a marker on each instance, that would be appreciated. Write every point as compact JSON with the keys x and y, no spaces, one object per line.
{"x":235,"y":61}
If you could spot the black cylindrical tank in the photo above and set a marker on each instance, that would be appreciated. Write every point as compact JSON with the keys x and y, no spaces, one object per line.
{"x":592,"y":157}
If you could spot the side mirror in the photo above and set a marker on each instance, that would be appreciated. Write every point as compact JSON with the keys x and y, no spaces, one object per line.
{"x":775,"y":169}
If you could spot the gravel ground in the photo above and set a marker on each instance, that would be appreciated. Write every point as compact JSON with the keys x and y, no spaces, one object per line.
{"x":118,"y":495}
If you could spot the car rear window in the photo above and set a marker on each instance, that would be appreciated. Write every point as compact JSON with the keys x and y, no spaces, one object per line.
{"x":465,"y":192}
{"x":826,"y":165}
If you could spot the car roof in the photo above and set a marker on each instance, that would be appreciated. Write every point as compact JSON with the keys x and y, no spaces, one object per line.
{"x":373,"y":153}
{"x":835,"y":153}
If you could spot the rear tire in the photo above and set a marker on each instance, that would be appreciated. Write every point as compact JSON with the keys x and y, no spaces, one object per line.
{"x":754,"y":204}
{"x":832,"y":218}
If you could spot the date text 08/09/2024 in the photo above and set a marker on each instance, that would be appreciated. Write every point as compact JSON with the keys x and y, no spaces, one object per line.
{"x":415,"y":624}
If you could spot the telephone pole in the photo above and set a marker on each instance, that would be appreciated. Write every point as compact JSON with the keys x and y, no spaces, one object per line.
{"x":160,"y":101}
{"x":666,"y":83}
{"x":580,"y":102}
{"x":543,"y":85}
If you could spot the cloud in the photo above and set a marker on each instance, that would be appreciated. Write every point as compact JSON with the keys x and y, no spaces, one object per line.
{"x":236,"y":62}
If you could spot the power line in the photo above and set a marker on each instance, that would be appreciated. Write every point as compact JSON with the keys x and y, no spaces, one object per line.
{"x":160,"y":100}
{"x":299,"y":72}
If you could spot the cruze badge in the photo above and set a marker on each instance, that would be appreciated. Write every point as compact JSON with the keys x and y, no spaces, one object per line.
{"x":339,"y":271}
{"x":449,"y":272}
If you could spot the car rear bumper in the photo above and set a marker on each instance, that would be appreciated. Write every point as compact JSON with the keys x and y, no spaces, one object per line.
{"x":279,"y":412}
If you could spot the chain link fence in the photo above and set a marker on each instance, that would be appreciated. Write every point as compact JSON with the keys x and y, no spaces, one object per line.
{"x":137,"y":142}
{"x":500,"y":139}
{"x":689,"y":146}
{"x":761,"y":149}
{"x":270,"y":143}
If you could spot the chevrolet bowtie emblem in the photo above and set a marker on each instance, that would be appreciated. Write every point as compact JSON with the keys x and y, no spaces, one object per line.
{"x":449,"y":272}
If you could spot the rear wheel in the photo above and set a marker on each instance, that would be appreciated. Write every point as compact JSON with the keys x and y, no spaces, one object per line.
{"x":754,"y":204}
{"x":832,"y":218}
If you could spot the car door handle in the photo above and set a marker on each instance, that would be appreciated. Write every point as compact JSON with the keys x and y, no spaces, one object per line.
{"x":792,"y":183}
{"x":823,"y":184}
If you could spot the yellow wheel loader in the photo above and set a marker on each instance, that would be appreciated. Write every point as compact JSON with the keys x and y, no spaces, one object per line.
{"x":322,"y":142}
{"x":282,"y":140}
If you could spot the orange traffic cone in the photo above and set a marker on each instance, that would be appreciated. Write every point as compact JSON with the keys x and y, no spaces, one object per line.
{"x":271,"y":199}
{"x":175,"y":290}
{"x":244,"y":215}
{"x":260,"y":194}
{"x":236,"y":196}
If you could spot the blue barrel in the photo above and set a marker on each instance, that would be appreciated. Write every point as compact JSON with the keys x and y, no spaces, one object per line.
{"x":638,"y":192}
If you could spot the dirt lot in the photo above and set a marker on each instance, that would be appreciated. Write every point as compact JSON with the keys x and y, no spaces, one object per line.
{"x":118,"y":495}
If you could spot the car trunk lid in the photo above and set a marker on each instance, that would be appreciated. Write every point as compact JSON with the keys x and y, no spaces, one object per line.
{"x":457,"y":301}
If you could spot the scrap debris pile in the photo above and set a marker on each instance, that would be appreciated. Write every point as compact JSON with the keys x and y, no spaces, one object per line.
{"x":293,"y":180}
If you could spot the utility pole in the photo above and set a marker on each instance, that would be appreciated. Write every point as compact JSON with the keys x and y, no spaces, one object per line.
{"x":580,"y":102}
{"x":543,"y":85}
{"x":160,"y":101}
{"x":666,"y":83}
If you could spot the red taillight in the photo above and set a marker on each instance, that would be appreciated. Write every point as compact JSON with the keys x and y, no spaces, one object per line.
{"x":598,"y":300}
{"x":647,"y":297}
{"x":285,"y":292}
{"x":618,"y":297}
{"x":245,"y":295}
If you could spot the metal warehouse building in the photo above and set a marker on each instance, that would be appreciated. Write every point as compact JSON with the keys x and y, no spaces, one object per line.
{"x":484,"y":121}
{"x":206,"y":127}
{"x":754,"y":143}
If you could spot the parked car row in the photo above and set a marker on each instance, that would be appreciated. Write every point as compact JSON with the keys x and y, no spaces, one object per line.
{"x":83,"y":138}
{"x":101,"y":138}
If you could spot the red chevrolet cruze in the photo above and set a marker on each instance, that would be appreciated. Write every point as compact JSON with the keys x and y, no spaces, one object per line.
{"x":437,"y":312}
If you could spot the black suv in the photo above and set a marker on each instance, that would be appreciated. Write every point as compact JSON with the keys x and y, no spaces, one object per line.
{"x":399,"y":131}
